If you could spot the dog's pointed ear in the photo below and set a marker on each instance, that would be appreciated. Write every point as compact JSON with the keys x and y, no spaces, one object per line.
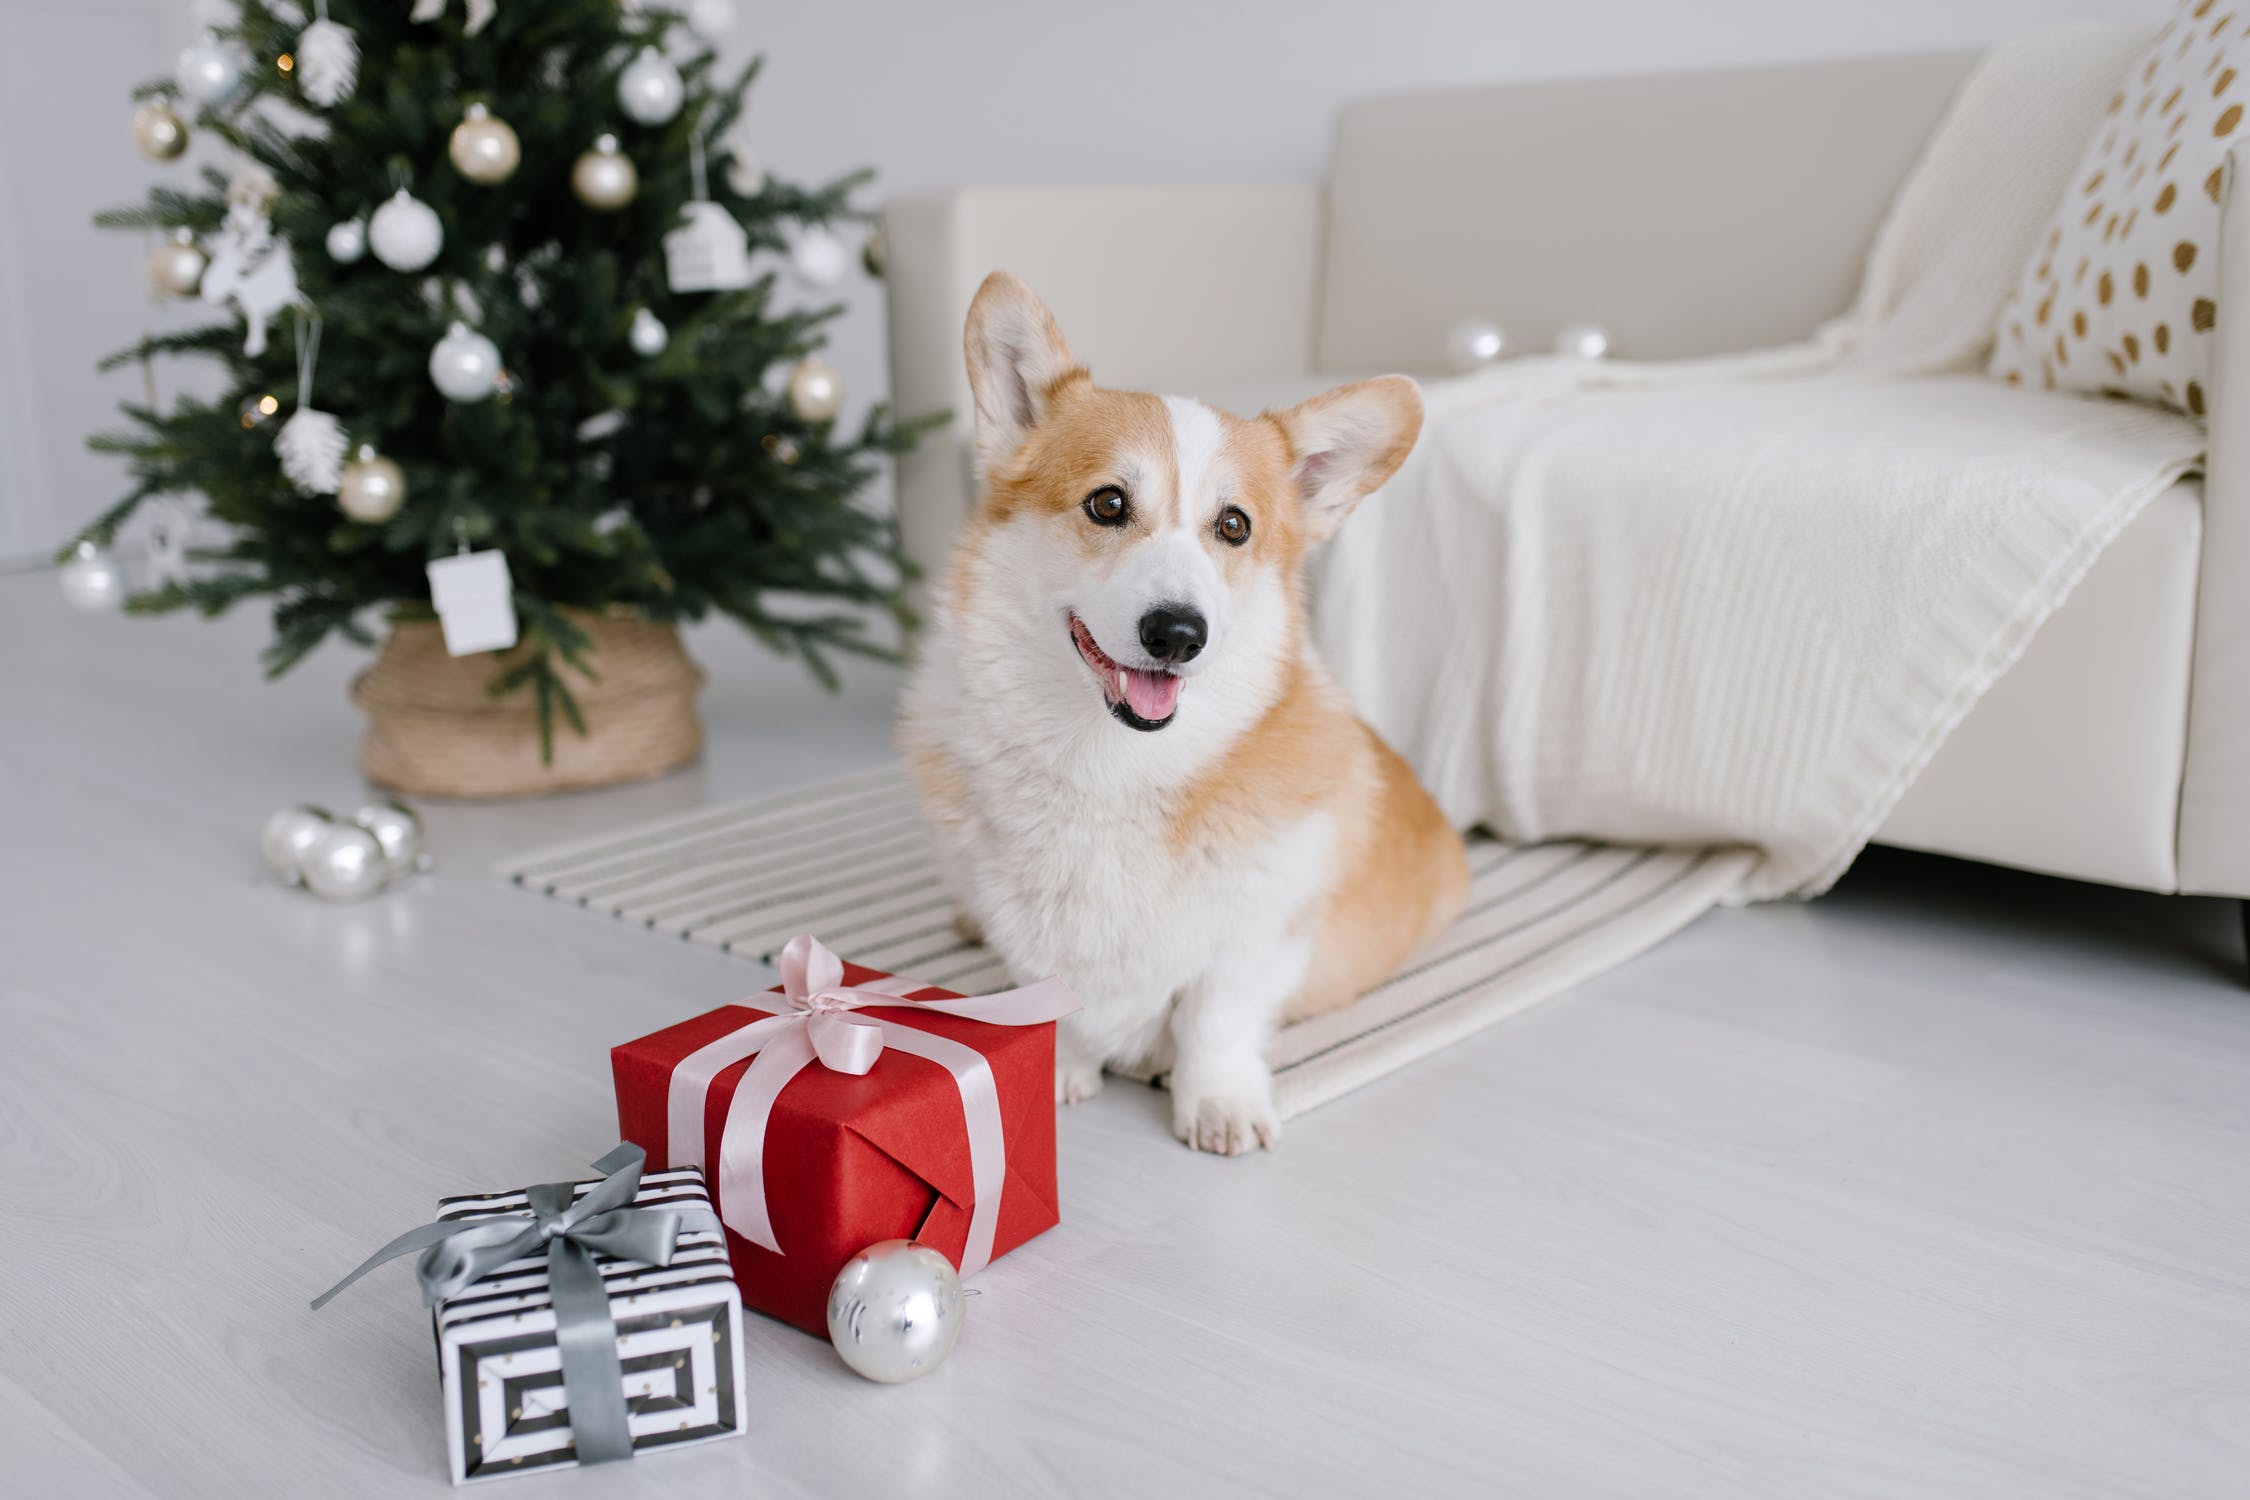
{"x":1344,"y":444}
{"x":1017,"y":358}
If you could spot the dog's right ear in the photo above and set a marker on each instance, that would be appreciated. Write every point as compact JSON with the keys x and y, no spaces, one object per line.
{"x":1017,"y":359}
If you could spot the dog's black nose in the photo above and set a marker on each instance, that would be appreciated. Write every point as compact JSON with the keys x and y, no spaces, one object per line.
{"x":1173,"y":633}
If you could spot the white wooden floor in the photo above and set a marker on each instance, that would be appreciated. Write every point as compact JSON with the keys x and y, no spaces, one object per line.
{"x":1938,"y":1188}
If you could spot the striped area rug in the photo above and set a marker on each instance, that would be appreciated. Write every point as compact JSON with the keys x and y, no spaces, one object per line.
{"x":849,"y":862}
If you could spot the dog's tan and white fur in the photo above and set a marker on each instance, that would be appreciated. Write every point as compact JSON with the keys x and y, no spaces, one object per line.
{"x":1204,"y":842}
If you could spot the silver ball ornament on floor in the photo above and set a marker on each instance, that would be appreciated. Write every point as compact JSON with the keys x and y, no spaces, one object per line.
{"x":372,"y":487}
{"x":93,"y":580}
{"x":405,"y":232}
{"x":648,"y":334}
{"x":1473,"y":345}
{"x":465,"y":365}
{"x":398,"y":831}
{"x":650,"y":90}
{"x":894,"y":1311}
{"x":158,"y":131}
{"x":1583,"y":341}
{"x":345,"y":864}
{"x":484,"y":147}
{"x":347,"y":242}
{"x":816,"y":391}
{"x":209,"y":70}
{"x":605,"y":179}
{"x":289,"y":836}
{"x":175,"y":268}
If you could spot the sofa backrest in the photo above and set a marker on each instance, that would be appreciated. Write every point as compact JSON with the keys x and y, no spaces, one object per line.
{"x":1686,"y":213}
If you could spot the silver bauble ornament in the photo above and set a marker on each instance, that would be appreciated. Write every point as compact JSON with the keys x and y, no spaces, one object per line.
{"x":372,"y":487}
{"x":289,"y":836}
{"x":159,"y":131}
{"x":398,"y":831}
{"x":894,"y":1311}
{"x":345,"y":864}
{"x":405,"y":232}
{"x":819,"y":257}
{"x":1583,"y":341}
{"x":604,"y":178}
{"x":816,"y":391}
{"x":649,"y":90}
{"x":175,"y":268}
{"x":209,"y":70}
{"x":484,"y":147}
{"x":1473,"y":345}
{"x":465,"y":365}
{"x":649,"y":335}
{"x":93,"y":580}
{"x":347,"y":242}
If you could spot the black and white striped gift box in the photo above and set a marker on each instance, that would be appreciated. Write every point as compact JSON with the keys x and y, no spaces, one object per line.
{"x":679,"y":1338}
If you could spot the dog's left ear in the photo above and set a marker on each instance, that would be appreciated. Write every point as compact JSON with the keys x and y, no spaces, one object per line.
{"x":1343,"y":445}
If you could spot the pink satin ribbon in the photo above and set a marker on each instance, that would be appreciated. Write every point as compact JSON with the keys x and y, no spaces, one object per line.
{"x":819,"y":1025}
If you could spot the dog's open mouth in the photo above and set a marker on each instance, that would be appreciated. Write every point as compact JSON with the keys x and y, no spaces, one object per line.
{"x":1145,"y":700}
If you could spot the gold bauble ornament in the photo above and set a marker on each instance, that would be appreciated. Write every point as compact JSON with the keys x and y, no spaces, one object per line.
{"x":816,"y":391}
{"x":159,"y":132}
{"x":372,"y":489}
{"x":484,"y":147}
{"x":604,"y":178}
{"x":175,"y":268}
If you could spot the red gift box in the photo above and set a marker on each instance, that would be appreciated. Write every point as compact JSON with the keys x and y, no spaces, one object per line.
{"x":849,"y":1160}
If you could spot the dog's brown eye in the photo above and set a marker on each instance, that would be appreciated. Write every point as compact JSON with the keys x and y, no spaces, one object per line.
{"x":1107,"y":506}
{"x":1234,"y":526}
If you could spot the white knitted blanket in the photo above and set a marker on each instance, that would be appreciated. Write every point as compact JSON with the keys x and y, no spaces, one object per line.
{"x":1744,"y":600}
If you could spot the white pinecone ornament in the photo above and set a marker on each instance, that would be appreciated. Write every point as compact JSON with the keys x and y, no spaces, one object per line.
{"x":311,"y":446}
{"x":327,"y":61}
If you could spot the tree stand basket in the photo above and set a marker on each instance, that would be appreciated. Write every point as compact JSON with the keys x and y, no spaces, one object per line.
{"x":435,"y":730}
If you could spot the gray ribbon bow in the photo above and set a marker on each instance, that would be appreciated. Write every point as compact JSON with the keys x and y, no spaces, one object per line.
{"x":457,"y":1253}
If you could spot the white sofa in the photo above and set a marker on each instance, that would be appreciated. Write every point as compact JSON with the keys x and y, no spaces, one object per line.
{"x":2116,"y":750}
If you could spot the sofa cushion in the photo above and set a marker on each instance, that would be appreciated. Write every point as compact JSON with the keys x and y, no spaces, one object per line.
{"x":2121,"y":293}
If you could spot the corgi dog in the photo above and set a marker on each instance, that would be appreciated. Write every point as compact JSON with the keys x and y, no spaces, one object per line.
{"x":1138,"y":774}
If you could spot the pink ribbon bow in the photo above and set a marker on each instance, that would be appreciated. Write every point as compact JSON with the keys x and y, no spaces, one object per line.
{"x":819,"y":1024}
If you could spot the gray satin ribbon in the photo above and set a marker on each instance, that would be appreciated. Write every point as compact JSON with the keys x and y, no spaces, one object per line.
{"x":459,"y":1253}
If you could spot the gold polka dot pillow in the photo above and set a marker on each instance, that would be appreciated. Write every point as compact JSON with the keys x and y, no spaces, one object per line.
{"x":2122,"y":291}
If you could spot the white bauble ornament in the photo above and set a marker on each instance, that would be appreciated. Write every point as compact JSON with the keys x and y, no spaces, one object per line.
{"x":819,"y":257}
{"x":650,"y":90}
{"x":465,"y":365}
{"x":405,"y":232}
{"x":1473,"y":345}
{"x":345,"y":864}
{"x":398,"y":831}
{"x":816,"y":391}
{"x":484,"y":147}
{"x":711,"y":19}
{"x":175,"y":268}
{"x":894,"y":1311}
{"x":289,"y":836}
{"x":93,"y":580}
{"x":209,"y":70}
{"x":347,"y":242}
{"x":1583,"y":341}
{"x":327,"y":61}
{"x":311,"y":446}
{"x":371,"y":488}
{"x":604,"y":178}
{"x":649,"y":335}
{"x":159,"y":132}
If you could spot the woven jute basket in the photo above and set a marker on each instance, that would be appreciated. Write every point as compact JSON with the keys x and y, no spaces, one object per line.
{"x":435,"y":730}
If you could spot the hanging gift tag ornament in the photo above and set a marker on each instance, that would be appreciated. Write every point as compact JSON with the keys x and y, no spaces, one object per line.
{"x":709,"y":252}
{"x":475,"y":603}
{"x":465,"y":365}
{"x":158,"y":131}
{"x":251,"y":268}
{"x":311,"y":444}
{"x":405,"y":232}
{"x":175,"y":268}
{"x":327,"y":60}
{"x":649,"y":90}
{"x":819,"y":257}
{"x":484,"y":147}
{"x":605,"y":179}
{"x":371,"y":488}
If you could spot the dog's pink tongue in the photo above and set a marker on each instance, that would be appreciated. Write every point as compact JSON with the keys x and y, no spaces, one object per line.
{"x":1152,"y":695}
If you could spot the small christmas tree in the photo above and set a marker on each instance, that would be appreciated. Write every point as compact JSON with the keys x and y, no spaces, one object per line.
{"x":492,"y":273}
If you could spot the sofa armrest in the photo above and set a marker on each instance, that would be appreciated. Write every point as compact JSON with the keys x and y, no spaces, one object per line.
{"x":1157,"y":288}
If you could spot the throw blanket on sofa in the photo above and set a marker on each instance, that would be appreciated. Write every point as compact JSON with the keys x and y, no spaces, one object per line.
{"x":1744,"y":600}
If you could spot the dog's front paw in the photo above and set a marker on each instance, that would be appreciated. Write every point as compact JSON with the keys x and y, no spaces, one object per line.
{"x":1075,"y":1083}
{"x":1226,"y":1125}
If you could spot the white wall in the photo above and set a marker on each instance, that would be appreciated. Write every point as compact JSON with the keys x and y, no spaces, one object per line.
{"x":932,"y":94}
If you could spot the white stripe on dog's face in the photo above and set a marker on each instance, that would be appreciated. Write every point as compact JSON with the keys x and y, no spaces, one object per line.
{"x":1171,"y":566}
{"x":1196,"y":440}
